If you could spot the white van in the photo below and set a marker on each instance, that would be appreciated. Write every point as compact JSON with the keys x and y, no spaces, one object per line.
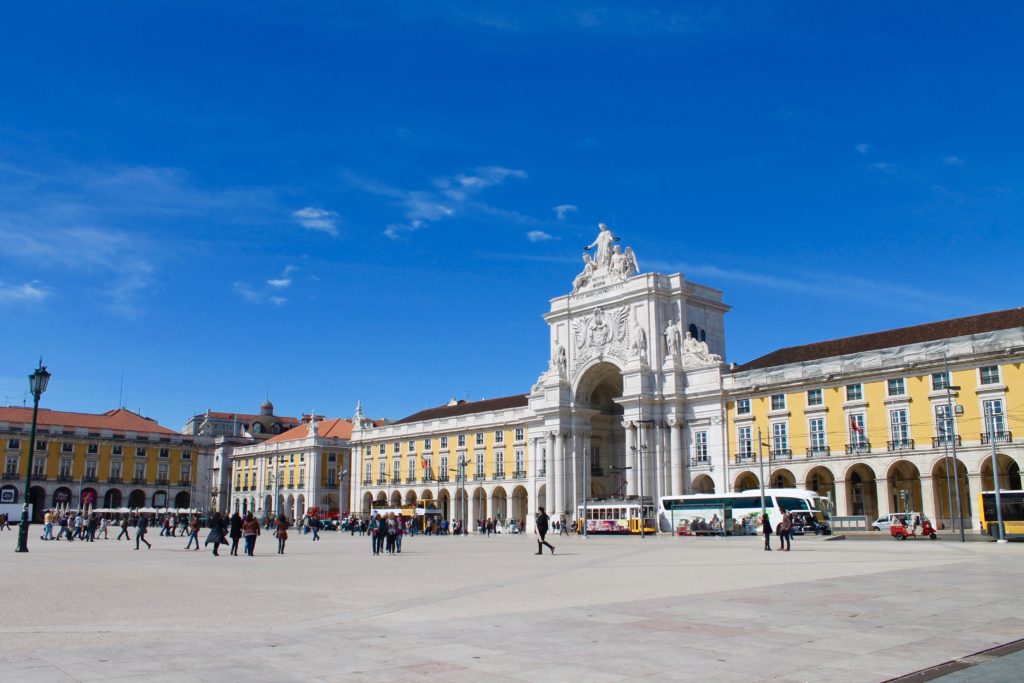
{"x":884,"y":522}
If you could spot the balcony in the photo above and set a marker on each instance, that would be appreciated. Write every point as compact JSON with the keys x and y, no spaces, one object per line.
{"x":859,"y":447}
{"x":38,"y":476}
{"x":331,"y":485}
{"x":996,"y":437}
{"x":10,"y":475}
{"x":542,"y":473}
{"x":900,"y":445}
{"x":744,"y":458}
{"x":426,"y":479}
{"x":381,"y":481}
{"x":139,"y":480}
{"x":367,"y":482}
{"x":162,"y":481}
{"x":945,"y":441}
{"x":519,"y":474}
{"x":410,"y":480}
{"x":443,"y":477}
{"x":499,"y":475}
{"x":478,"y":476}
{"x":64,"y":477}
{"x":819,"y":452}
{"x":705,"y":461}
{"x":89,"y":479}
{"x":114,"y":480}
{"x":184,"y":482}
{"x":781,"y":454}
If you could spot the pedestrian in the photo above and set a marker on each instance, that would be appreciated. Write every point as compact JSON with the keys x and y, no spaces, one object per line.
{"x":282,"y":533}
{"x":235,"y":532}
{"x":92,"y":527}
{"x":391,"y":528}
{"x":104,"y":523}
{"x":766,"y":528}
{"x":374,"y":529}
{"x":124,"y":530}
{"x":48,"y":526}
{"x":250,"y":529}
{"x":563,"y":526}
{"x":785,"y":527}
{"x":542,"y":531}
{"x":140,"y":532}
{"x":79,"y":526}
{"x":401,"y":528}
{"x":193,"y":534}
{"x":216,"y":535}
{"x":314,"y":524}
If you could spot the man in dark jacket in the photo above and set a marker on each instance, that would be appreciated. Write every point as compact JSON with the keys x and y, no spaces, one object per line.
{"x":140,"y":532}
{"x":236,"y":532}
{"x":542,"y":531}
{"x":217,"y":533}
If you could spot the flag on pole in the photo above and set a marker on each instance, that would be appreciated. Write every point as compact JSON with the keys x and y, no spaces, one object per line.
{"x":856,"y":427}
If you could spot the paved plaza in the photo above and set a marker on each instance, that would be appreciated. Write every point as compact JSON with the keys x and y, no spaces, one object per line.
{"x":488,"y":609}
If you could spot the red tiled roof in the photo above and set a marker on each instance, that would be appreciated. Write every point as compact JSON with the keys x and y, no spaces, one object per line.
{"x":943,"y":329}
{"x":467,"y":408}
{"x":338,"y":428}
{"x":118,"y":420}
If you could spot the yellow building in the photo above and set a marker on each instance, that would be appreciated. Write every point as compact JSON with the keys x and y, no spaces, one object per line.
{"x":109,"y":460}
{"x":876,"y":421}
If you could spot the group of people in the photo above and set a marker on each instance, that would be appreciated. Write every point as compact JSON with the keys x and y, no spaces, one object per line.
{"x":386,"y":533}
{"x":784,"y":530}
{"x":226,"y":530}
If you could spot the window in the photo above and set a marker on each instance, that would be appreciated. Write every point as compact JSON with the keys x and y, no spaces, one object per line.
{"x":428,"y":444}
{"x":332,"y":475}
{"x":543,"y":462}
{"x":778,"y":401}
{"x":13,"y":444}
{"x":40,"y":445}
{"x":410,"y":469}
{"x":39,"y":467}
{"x":165,"y":453}
{"x":940,"y":381}
{"x":462,"y":440}
{"x":67,"y":447}
{"x":368,"y":472}
{"x":943,"y":425}
{"x":90,"y":469}
{"x":367,"y":452}
{"x":383,"y":472}
{"x":814,"y":397}
{"x":990,"y":374}
{"x":499,"y":436}
{"x":780,"y":437}
{"x":499,"y":464}
{"x":745,"y":441}
{"x":115,"y":470}
{"x":65,"y":468}
{"x":332,"y":457}
{"x":816,"y":429}
{"x":161,"y":473}
{"x":12,"y":465}
{"x":854,"y":392}
{"x":900,"y":427}
{"x":117,"y":450}
{"x":479,"y":438}
{"x":595,"y":456}
{"x":396,"y":470}
{"x":442,"y":473}
{"x":396,"y":448}
{"x":700,"y":446}
{"x":140,"y":470}
{"x":382,"y":449}
{"x":897,"y":387}
{"x":994,"y":418}
{"x":444,"y":442}
{"x":858,"y":434}
{"x":743,"y":406}
{"x":140,"y":452}
{"x":520,"y":435}
{"x":412,"y":446}
{"x":479,"y":464}
{"x":186,"y":472}
{"x":520,"y":463}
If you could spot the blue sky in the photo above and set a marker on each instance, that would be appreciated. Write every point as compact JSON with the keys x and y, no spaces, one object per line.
{"x":342,"y":201}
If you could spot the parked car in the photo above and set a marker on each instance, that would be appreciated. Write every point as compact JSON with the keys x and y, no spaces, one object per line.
{"x":885,"y":521}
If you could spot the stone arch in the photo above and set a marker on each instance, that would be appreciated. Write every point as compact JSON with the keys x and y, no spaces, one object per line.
{"x":599,"y":391}
{"x":300,"y":506}
{"x":382,"y":498}
{"x":499,"y":504}
{"x":396,"y":499}
{"x":518,"y":504}
{"x":184,"y":500}
{"x":89,"y":498}
{"x":62,"y":497}
{"x":478,"y":506}
{"x":37,"y":499}
{"x":542,"y":494}
{"x":159,"y":499}
{"x":703,"y":484}
{"x":861,"y":492}
{"x":289,"y":507}
{"x":445,"y":500}
{"x":1009,"y":473}
{"x":945,"y":477}
{"x":746,"y":481}
{"x":903,"y":485}
{"x":245,"y":507}
{"x":137,"y":499}
{"x":821,"y":480}
{"x":112,"y":498}
{"x":410,"y":498}
{"x":427,"y":494}
{"x":367,"y":503}
{"x":782,"y":478}
{"x":268,"y":504}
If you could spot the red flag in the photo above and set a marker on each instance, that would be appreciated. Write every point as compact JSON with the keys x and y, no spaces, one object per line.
{"x":425,"y":463}
{"x":854,"y":426}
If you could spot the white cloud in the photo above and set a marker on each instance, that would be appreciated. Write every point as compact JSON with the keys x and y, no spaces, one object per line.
{"x":562,"y":209}
{"x":953,"y":161}
{"x":247,"y":292}
{"x":30,"y":291}
{"x":317,"y":219}
{"x":538,"y":236}
{"x":862,"y":148}
{"x":279,"y":283}
{"x":278,"y":300}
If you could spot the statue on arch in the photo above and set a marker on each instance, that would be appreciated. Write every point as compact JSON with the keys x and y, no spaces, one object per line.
{"x":603,"y":243}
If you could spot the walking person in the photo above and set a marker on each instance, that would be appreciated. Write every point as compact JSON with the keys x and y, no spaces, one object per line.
{"x":282,"y":533}
{"x":216,"y":535}
{"x":124,"y":530}
{"x":314,"y":524}
{"x":400,"y":530}
{"x":766,"y":529}
{"x":376,"y":534}
{"x":785,"y":529}
{"x":104,"y":524}
{"x":48,"y":526}
{"x":542,"y":531}
{"x":193,"y":534}
{"x":235,"y":532}
{"x":140,"y":532}
{"x":250,"y":530}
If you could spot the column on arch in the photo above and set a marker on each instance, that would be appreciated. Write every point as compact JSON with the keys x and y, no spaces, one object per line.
{"x":928,"y":497}
{"x":630,"y":461}
{"x":559,"y":457}
{"x":549,"y":473}
{"x":657,"y":461}
{"x":841,"y":503}
{"x":676,"y":474}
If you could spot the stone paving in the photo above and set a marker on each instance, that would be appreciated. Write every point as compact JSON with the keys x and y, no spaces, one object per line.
{"x":472,"y":609}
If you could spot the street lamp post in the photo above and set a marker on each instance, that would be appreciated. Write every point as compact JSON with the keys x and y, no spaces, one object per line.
{"x":951,"y":436}
{"x":760,"y":464}
{"x":990,"y":425}
{"x":37,"y":385}
{"x":640,"y":448}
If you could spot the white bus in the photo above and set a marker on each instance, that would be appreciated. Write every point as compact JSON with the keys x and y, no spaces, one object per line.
{"x":740,"y":513}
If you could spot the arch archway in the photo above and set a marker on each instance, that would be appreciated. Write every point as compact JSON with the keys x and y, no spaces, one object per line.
{"x":367,"y":503}
{"x":268,"y":504}
{"x":703,"y":484}
{"x":245,"y":507}
{"x":945,"y":478}
{"x":821,"y":480}
{"x":289,"y":507}
{"x":478,"y":510}
{"x":746,"y":481}
{"x":137,"y":499}
{"x":861,"y":492}
{"x":184,"y":500}
{"x":1009,"y":473}
{"x":62,"y":497}
{"x":597,"y":393}
{"x":519,"y":505}
{"x":37,"y":499}
{"x":112,"y":498}
{"x":445,"y":500}
{"x":89,"y":498}
{"x":300,"y":506}
{"x":499,"y":504}
{"x":410,"y":498}
{"x":904,"y":487}
{"x":160,"y":499}
{"x":783,"y":479}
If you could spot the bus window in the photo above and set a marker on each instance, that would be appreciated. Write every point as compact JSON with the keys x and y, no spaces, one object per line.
{"x":791,"y":503}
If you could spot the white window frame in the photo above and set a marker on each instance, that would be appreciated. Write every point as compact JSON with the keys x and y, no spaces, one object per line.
{"x":899,"y":383}
{"x":856,"y":388}
{"x":743,"y":406}
{"x":780,"y":436}
{"x":817,"y":438}
{"x":985,"y":379}
{"x":819,"y":396}
{"x":745,"y":441}
{"x":782,"y":401}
